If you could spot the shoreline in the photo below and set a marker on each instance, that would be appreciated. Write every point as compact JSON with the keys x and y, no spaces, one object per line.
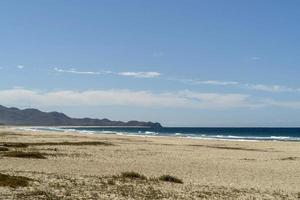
{"x":154,"y":134}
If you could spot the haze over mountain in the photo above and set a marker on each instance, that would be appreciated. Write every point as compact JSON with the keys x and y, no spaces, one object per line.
{"x":35,"y":117}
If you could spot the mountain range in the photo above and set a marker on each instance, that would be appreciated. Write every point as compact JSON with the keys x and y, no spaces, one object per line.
{"x":35,"y":117}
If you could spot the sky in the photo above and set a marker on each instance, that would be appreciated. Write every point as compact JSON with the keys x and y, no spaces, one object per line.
{"x":181,"y":63}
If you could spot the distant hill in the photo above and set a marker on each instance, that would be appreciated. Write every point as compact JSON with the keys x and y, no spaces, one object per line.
{"x":34,"y":117}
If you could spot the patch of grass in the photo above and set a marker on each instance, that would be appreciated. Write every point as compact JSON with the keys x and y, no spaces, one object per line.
{"x":4,"y":149}
{"x":13,"y":181}
{"x":73,"y":143}
{"x":111,"y":182}
{"x":290,"y":158}
{"x":248,"y":159}
{"x":21,"y":154}
{"x":147,"y":192}
{"x":133,"y":175}
{"x":169,"y":178}
{"x":7,"y":133}
{"x":40,"y":194}
{"x":228,"y":147}
{"x":15,"y":145}
{"x":24,"y":145}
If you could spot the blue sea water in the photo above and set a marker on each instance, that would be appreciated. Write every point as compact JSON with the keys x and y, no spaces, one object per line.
{"x":276,"y":134}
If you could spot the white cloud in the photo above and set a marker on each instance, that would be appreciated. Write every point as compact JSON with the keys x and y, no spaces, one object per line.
{"x":286,"y":104}
{"x":129,"y":73}
{"x":270,"y":88}
{"x":258,"y":87}
{"x":20,"y":67}
{"x":204,"y":82}
{"x":219,"y":100}
{"x":140,"y":74}
{"x":74,"y":71}
{"x":215,"y":82}
{"x":181,"y":99}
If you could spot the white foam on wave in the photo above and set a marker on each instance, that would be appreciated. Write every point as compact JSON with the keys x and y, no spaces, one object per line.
{"x":157,"y":134}
{"x":25,"y":129}
{"x":250,"y":138}
{"x":105,"y":132}
{"x":151,"y":133}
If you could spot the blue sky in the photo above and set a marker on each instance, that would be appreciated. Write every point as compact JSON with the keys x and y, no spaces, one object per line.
{"x":182,"y":63}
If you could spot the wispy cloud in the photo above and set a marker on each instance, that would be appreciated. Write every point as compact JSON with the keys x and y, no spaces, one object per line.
{"x":180,"y":99}
{"x":74,"y":71}
{"x":215,"y":82}
{"x":285,"y":104}
{"x":258,"y":87}
{"x":140,"y":74}
{"x":204,"y":82}
{"x":271,"y":88}
{"x":127,"y":73}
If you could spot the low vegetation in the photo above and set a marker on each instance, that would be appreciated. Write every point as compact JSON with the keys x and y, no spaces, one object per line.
{"x":24,"y":145}
{"x":169,"y":178}
{"x":15,"y":145}
{"x":136,"y":175}
{"x":53,"y":187}
{"x":133,"y":175}
{"x":21,"y":154}
{"x":13,"y":181}
{"x":4,"y":149}
{"x":95,"y":143}
{"x":291,"y":158}
{"x":7,"y":133}
{"x":228,"y":148}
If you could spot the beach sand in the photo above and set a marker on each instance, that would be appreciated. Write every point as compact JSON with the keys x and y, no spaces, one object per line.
{"x":78,"y":166}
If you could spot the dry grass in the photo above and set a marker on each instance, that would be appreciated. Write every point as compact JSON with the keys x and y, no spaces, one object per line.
{"x":290,"y":158}
{"x":7,"y":133}
{"x":228,"y":148}
{"x":165,"y":178}
{"x":15,"y":145}
{"x":4,"y":149}
{"x":133,"y":175}
{"x":21,"y":154}
{"x":13,"y":181}
{"x":95,"y":143}
{"x":24,"y":145}
{"x":53,"y":187}
{"x":169,"y":178}
{"x":39,"y":194}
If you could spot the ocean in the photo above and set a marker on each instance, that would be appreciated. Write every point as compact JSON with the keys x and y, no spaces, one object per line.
{"x":272,"y":134}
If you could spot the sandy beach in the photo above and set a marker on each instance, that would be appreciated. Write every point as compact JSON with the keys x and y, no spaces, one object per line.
{"x":78,"y":166}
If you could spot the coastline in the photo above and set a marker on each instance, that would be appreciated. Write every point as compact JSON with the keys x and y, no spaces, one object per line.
{"x":214,"y":133}
{"x":251,"y":168}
